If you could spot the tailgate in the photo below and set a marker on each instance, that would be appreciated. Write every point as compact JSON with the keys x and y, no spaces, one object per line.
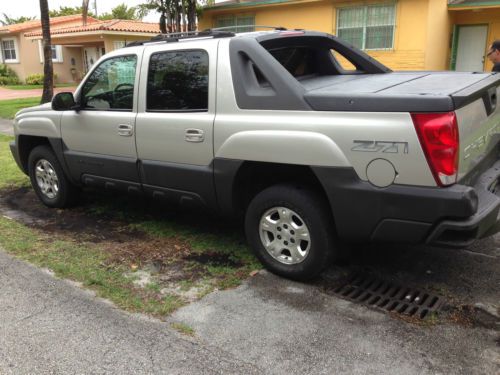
{"x":478,"y":117}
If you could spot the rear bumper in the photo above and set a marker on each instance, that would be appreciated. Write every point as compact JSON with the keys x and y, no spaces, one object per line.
{"x":453,"y":216}
{"x":486,"y":220}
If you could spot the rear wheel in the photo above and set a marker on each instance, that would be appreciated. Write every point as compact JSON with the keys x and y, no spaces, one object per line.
{"x":48,"y":179}
{"x":291,"y":231}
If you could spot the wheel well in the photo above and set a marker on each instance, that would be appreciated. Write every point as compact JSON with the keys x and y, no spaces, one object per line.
{"x":26,"y":144}
{"x":253,"y":177}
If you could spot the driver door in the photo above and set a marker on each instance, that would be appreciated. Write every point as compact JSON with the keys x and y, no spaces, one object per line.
{"x":99,"y":138}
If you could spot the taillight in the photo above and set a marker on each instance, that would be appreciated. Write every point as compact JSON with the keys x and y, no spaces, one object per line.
{"x":438,"y":134}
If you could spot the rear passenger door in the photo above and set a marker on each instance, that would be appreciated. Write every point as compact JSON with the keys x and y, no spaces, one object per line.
{"x":174,"y":125}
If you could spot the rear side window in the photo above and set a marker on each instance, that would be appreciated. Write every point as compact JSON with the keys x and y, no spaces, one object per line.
{"x":178,"y":81}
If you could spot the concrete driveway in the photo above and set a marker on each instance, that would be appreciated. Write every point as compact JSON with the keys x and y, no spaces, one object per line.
{"x":268,"y":325}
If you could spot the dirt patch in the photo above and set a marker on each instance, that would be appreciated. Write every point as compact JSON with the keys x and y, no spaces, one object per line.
{"x":170,"y":260}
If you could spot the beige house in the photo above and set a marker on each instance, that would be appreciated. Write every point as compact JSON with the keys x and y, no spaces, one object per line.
{"x":76,"y":47}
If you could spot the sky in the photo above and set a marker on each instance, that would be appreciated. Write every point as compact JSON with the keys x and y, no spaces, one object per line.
{"x":19,"y":8}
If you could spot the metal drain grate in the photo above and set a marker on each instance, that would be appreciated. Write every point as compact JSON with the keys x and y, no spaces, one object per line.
{"x":372,"y":291}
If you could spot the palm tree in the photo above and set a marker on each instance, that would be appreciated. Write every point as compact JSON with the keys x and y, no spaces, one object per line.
{"x":85,"y":11}
{"x":48,"y":72}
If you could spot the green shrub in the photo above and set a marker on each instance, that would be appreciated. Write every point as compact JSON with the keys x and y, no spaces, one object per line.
{"x":6,"y":81}
{"x":7,"y":76}
{"x":37,"y":79}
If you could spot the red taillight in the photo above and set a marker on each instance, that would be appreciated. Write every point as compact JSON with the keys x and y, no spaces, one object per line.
{"x":438,"y":134}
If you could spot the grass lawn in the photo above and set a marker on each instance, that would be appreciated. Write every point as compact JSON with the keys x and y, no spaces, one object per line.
{"x":194,"y":258}
{"x":8,"y":108}
{"x":31,"y":87}
{"x":10,"y":174}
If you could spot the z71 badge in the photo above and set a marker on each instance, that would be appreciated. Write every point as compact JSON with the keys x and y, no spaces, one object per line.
{"x":386,"y":147}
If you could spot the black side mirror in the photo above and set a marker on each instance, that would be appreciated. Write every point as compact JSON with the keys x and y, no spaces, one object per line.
{"x":64,"y":101}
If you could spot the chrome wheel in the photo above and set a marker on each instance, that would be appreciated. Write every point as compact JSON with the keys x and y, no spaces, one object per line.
{"x":46,"y":178}
{"x":285,"y":235}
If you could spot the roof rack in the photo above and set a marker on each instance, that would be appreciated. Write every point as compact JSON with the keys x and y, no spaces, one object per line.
{"x":175,"y":37}
{"x":218,"y":32}
{"x":278,"y":28}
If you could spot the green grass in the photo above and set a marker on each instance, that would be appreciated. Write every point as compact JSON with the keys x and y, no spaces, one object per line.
{"x":8,"y":108}
{"x":183,"y":328}
{"x":10,"y":174}
{"x":31,"y":87}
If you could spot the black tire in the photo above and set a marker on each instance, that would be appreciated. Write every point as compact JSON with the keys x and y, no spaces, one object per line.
{"x":66,"y":194}
{"x":314,"y":212}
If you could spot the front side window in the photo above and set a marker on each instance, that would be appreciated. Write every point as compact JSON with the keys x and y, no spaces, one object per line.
{"x":178,"y":81}
{"x":367,"y":27}
{"x":111,"y":85}
{"x":239,"y":23}
{"x":9,"y":50}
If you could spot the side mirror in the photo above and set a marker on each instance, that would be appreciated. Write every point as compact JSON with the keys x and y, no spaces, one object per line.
{"x":64,"y":101}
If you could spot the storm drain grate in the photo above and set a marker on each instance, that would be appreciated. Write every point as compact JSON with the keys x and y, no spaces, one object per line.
{"x":374,"y":292}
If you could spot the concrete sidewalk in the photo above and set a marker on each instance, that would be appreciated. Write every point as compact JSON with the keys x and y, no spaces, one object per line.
{"x":6,"y":127}
{"x":8,"y":94}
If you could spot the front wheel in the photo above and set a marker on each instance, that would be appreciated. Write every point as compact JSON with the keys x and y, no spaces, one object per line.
{"x":291,"y":231}
{"x":48,"y":179}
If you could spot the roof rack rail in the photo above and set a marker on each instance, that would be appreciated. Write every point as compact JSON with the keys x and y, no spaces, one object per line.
{"x":279,"y":28}
{"x":175,"y":37}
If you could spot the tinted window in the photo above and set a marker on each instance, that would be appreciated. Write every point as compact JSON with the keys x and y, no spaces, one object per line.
{"x":178,"y":81}
{"x":111,"y":85}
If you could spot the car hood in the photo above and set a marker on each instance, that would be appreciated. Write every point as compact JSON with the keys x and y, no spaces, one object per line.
{"x":38,"y":108}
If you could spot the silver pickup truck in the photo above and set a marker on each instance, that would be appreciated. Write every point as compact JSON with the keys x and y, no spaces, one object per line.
{"x":277,"y":128}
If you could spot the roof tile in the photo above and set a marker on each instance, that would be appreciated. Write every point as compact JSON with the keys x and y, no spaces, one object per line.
{"x":37,"y":24}
{"x":111,"y":25}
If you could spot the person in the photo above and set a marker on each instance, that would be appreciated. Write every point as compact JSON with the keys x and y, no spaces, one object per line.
{"x":494,"y":55}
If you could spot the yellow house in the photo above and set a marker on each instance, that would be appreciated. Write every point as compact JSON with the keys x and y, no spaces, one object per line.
{"x":402,"y":34}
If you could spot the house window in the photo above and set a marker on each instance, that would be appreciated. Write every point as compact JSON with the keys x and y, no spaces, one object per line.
{"x":239,"y":23}
{"x":9,"y":50}
{"x":117,"y":44}
{"x":367,"y":27}
{"x":57,"y":55}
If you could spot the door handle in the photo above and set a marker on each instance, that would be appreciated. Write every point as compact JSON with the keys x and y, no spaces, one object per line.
{"x":194,"y":135}
{"x":125,"y":130}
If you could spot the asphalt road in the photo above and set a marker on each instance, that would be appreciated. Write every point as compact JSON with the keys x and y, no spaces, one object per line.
{"x":49,"y":326}
{"x":268,"y":325}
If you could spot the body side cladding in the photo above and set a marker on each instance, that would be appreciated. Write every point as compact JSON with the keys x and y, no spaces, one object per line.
{"x":113,"y":167}
{"x":225,"y":171}
{"x":195,"y":182}
{"x":409,"y":208}
{"x":58,"y":147}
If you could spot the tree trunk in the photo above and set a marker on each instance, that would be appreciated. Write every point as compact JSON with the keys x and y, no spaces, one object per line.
{"x":191,"y":15}
{"x":85,"y":11}
{"x":183,"y":13}
{"x":178,"y":18}
{"x":48,"y":72}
